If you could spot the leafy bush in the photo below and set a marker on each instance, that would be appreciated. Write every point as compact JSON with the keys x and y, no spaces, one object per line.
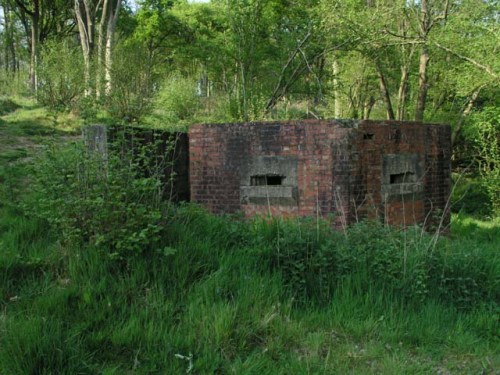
{"x":176,"y":104}
{"x":60,"y":75}
{"x":7,"y":106}
{"x":299,"y":251}
{"x":133,"y":78}
{"x":106,"y":202}
{"x":483,"y":133}
{"x":315,"y":264}
{"x":462,"y":279}
{"x":470,"y":196}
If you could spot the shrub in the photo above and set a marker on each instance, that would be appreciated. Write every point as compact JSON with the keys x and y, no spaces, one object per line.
{"x":371,"y":258}
{"x":105,"y":202}
{"x":484,"y":136}
{"x":176,"y":104}
{"x":7,"y":106}
{"x":470,"y":196}
{"x":60,"y":75}
{"x":300,"y":251}
{"x":133,"y":77}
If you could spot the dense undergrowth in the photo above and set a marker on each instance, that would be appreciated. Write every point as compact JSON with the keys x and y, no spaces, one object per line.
{"x":242,"y":298}
{"x":97,"y":275}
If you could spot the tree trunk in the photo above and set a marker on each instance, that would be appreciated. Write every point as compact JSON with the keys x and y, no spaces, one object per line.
{"x":385,"y":93}
{"x":406,"y":58}
{"x":6,"y":36}
{"x":9,"y":40}
{"x":85,"y":23}
{"x":113,"y":14}
{"x":426,"y":22}
{"x":465,"y":113}
{"x":402,"y":93}
{"x":336,"y":95}
{"x":108,"y":61}
{"x":35,"y":18}
{"x":101,"y":41}
{"x":367,"y":108}
{"x":422,"y":84}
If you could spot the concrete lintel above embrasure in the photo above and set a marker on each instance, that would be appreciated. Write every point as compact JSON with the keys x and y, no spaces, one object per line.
{"x":285,"y":166}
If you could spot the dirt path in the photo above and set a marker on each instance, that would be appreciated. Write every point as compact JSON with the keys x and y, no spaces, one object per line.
{"x":27,"y":130}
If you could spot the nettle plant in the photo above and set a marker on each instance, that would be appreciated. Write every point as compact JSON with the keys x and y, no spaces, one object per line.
{"x":112,"y":201}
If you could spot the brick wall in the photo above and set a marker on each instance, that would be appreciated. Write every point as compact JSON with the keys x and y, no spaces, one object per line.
{"x":428,"y":144}
{"x":398,"y":172}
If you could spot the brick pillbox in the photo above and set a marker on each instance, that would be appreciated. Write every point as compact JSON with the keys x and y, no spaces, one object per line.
{"x":396,"y":171}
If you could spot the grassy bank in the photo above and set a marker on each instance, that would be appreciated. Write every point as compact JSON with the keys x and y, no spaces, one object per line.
{"x":222,"y":303}
{"x":203,"y":294}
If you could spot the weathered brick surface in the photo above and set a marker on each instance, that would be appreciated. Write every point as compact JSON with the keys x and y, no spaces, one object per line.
{"x":342,"y":168}
{"x":432,"y":145}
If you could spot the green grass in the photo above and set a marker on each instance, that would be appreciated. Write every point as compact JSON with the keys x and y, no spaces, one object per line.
{"x":32,"y":120}
{"x":216,"y":304}
{"x":235,"y":297}
{"x":26,"y":127}
{"x":13,"y":154}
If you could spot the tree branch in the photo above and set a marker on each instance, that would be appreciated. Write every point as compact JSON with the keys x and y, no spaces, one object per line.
{"x":485,"y":68}
{"x":274,"y":96}
{"x":465,"y":113}
{"x":23,"y":6}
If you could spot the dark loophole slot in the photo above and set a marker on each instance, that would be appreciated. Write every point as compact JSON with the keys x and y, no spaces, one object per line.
{"x":264,"y":180}
{"x":368,"y":136}
{"x":401,"y":178}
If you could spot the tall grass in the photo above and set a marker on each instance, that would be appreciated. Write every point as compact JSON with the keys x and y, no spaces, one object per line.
{"x":219,"y":307}
{"x":224,"y":295}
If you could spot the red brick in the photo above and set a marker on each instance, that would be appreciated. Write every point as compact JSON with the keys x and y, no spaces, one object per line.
{"x":337,"y":167}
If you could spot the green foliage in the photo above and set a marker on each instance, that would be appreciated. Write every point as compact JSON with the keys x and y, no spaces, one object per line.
{"x":316,"y":264}
{"x":60,"y":75}
{"x":133,"y":80}
{"x":221,"y":302}
{"x":7,"y":105}
{"x":463,"y":279}
{"x":471,"y":197}
{"x":299,"y":251}
{"x":107,"y":203}
{"x":483,"y":135}
{"x":12,"y":84}
{"x":176,"y":104}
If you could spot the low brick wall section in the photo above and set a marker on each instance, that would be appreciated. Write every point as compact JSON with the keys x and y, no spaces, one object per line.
{"x":398,"y":172}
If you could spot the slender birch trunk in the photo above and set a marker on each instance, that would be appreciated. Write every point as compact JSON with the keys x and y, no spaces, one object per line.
{"x":85,"y":22}
{"x":337,"y":113}
{"x":101,"y":40}
{"x":422,"y":84}
{"x":113,"y":14}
